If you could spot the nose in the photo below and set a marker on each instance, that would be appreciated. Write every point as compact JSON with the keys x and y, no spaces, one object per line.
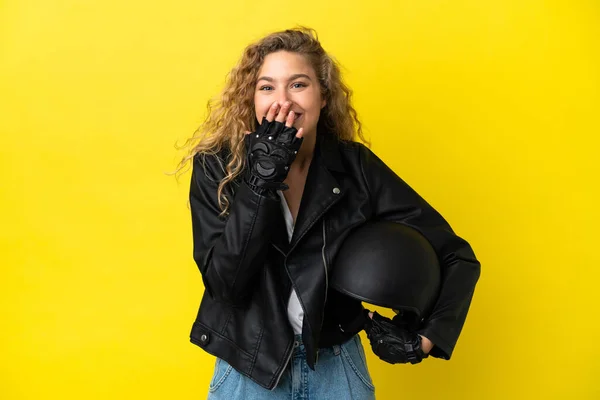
{"x":282,"y":97}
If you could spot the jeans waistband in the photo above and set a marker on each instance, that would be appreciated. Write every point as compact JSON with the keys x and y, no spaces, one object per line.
{"x":299,"y":345}
{"x":300,"y":350}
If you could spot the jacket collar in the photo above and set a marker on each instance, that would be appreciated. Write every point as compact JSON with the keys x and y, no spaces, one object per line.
{"x":321,"y":191}
{"x":327,"y":148}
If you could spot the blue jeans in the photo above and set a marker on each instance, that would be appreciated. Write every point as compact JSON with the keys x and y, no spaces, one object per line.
{"x":341,"y":373}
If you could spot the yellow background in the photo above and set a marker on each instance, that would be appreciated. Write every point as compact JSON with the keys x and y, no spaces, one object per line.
{"x":490,"y":110}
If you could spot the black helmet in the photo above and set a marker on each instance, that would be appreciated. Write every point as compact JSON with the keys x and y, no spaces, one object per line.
{"x":388,"y":264}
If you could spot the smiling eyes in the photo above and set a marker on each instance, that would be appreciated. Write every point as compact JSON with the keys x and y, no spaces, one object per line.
{"x":297,"y":85}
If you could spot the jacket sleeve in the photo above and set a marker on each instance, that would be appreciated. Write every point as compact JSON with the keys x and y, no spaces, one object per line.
{"x":394,"y":200}
{"x":231,"y":250}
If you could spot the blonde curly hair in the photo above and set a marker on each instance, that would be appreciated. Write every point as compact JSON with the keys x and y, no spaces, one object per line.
{"x":232,"y":113}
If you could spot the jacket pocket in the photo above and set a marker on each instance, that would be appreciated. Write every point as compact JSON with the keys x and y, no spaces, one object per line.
{"x":222,"y":371}
{"x":354,"y":354}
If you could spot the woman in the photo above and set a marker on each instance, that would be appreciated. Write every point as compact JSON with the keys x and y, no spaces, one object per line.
{"x":277,"y":183}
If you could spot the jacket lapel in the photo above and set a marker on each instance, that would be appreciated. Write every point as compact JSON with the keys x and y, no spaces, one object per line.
{"x":321,"y":190}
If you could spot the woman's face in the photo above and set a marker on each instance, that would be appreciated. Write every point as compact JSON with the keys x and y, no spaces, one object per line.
{"x":286,"y":76}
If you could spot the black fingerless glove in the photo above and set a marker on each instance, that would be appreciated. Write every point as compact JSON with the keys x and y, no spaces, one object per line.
{"x":269,"y":153}
{"x":392,"y":343}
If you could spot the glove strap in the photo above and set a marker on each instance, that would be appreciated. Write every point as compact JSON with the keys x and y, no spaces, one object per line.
{"x":258,"y":186}
{"x":415,"y":354}
{"x":253,"y":182}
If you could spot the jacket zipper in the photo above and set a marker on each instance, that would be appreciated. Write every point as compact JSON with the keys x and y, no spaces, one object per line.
{"x":291,"y":351}
{"x":326,"y":280}
{"x":322,"y":311}
{"x":284,"y":366}
{"x":325,"y":265}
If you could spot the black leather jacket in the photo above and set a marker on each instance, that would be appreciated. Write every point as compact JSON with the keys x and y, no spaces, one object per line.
{"x":248,"y":266}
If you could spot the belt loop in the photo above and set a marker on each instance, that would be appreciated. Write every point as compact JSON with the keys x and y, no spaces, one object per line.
{"x":336,"y":349}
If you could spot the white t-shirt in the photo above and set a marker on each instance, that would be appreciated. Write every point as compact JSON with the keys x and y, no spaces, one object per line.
{"x":294,"y":309}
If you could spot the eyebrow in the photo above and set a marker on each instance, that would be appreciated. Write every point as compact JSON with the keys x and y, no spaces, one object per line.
{"x":295,"y":76}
